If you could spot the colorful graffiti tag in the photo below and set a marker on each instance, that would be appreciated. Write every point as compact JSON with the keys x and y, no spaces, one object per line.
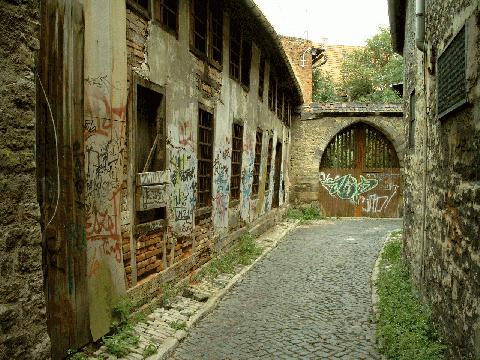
{"x":347,"y":187}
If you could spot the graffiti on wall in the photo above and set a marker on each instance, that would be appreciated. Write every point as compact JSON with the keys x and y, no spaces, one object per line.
{"x":375,"y":203}
{"x":182,"y":178}
{"x":347,"y":187}
{"x":221,"y":185}
{"x":246,"y":178}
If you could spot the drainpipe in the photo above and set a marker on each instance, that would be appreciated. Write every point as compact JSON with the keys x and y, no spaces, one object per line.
{"x":420,"y":24}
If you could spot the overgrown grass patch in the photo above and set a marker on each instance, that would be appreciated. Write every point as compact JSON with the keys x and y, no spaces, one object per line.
{"x":304,"y":214}
{"x":243,"y":253}
{"x":405,"y":330}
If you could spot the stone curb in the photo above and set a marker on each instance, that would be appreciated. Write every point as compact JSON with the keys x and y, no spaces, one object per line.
{"x":171,"y":343}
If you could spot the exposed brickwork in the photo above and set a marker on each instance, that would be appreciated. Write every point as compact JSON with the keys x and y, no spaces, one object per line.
{"x":295,"y":48}
{"x":441,"y":181}
{"x":23,"y":331}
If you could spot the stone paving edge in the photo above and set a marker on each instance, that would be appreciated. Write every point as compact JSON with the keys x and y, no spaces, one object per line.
{"x":171,"y":343}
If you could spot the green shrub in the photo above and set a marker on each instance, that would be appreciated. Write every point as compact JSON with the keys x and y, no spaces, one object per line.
{"x":304,"y":214}
{"x":120,"y":343}
{"x":405,"y":328}
{"x":149,"y":350}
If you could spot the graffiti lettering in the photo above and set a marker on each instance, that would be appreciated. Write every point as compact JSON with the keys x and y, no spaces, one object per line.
{"x":347,"y":187}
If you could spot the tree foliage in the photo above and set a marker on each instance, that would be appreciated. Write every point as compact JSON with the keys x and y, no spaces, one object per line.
{"x":367,"y":74}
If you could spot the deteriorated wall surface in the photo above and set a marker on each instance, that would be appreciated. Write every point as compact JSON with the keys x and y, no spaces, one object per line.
{"x":442,"y":174}
{"x":296,"y":50}
{"x":319,"y":123}
{"x":23,"y":332}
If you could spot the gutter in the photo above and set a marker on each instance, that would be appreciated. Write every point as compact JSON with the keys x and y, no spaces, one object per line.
{"x":420,"y":25}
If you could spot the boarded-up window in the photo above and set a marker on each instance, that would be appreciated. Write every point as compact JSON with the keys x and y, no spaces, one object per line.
{"x":205,"y":158}
{"x":257,"y":161}
{"x":207,"y":30}
{"x":413,"y":121}
{"x":150,"y":139}
{"x":452,"y":82}
{"x":237,"y":149}
{"x":166,"y":12}
{"x":261,"y":77}
{"x":269,"y":163}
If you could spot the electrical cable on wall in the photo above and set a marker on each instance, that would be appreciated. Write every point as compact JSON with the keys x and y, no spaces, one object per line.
{"x":56,"y":150}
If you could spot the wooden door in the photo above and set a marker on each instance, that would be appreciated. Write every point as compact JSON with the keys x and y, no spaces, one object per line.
{"x":360,"y":175}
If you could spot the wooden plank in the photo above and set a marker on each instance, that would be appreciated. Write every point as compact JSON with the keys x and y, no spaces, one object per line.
{"x":152,"y":197}
{"x":153,"y":178}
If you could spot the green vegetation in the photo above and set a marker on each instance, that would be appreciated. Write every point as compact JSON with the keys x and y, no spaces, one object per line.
{"x":404,"y":329}
{"x":367,"y":74}
{"x":243,"y":253}
{"x":150,"y":350}
{"x":304,"y":214}
{"x":123,"y":337}
{"x":76,"y":355}
{"x":178,"y":325}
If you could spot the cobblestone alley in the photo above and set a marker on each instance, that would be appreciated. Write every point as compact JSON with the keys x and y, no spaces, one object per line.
{"x":307,"y":299}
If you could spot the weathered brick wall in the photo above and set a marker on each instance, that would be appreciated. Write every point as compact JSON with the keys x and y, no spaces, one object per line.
{"x":319,"y":123}
{"x":442,"y":173}
{"x":23,"y":331}
{"x":295,"y":48}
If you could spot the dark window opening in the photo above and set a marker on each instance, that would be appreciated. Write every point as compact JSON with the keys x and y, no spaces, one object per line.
{"x":216,"y":39}
{"x":143,"y":4}
{"x":261,"y":77}
{"x":411,"y":128}
{"x":256,"y":164}
{"x":166,"y":12}
{"x":205,"y":158}
{"x":207,"y":30}
{"x":276,"y":178}
{"x":200,"y":25}
{"x":280,"y":105}
{"x":269,"y":163}
{"x":272,"y":93}
{"x":237,"y":149}
{"x":240,"y":54}
{"x":235,"y":50}
{"x":150,"y":140}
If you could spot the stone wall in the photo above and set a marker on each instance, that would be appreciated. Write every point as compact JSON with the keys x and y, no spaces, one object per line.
{"x":23,"y":331}
{"x":318,"y":124}
{"x":442,"y":174}
{"x":296,"y":49}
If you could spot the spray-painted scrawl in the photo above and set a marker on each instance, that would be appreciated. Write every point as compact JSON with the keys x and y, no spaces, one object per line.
{"x":347,"y":187}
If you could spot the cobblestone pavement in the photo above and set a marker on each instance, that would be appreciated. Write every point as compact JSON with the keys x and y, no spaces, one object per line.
{"x":307,"y":299}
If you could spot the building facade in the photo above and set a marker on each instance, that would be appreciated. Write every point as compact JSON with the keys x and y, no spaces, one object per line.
{"x":441,"y":48}
{"x":162,"y":135}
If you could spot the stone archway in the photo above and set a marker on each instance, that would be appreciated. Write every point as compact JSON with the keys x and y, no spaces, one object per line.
{"x":359,"y":174}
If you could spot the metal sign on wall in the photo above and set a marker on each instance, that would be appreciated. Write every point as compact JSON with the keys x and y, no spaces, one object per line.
{"x":452,"y":82}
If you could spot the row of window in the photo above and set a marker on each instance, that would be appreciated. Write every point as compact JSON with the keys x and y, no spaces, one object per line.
{"x":206,"y":24}
{"x":205,"y":159}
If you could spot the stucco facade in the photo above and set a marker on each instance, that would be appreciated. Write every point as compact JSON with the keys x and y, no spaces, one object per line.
{"x":162,"y":138}
{"x":442,"y":168}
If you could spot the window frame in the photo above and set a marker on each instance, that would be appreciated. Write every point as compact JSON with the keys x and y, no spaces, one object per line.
{"x":257,"y":164}
{"x":205,"y":207}
{"x":235,"y":197}
{"x":209,"y":36}
{"x":245,"y":42}
{"x":269,"y":163}
{"x":261,"y":77}
{"x":160,"y":4}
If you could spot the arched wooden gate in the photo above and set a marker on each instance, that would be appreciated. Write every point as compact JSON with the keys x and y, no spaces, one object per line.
{"x":360,"y":174}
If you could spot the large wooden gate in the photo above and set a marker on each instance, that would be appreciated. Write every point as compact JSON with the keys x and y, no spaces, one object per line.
{"x":360,"y":175}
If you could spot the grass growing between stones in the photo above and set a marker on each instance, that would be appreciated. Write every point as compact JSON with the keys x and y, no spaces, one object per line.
{"x":404,"y":330}
{"x":243,"y":253}
{"x":304,"y":214}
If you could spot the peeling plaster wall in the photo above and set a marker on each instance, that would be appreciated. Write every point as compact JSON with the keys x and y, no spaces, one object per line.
{"x":316,"y":128}
{"x":190,"y":237}
{"x":442,"y":174}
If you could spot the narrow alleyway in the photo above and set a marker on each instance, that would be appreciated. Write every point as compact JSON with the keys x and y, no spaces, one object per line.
{"x":307,"y":299}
